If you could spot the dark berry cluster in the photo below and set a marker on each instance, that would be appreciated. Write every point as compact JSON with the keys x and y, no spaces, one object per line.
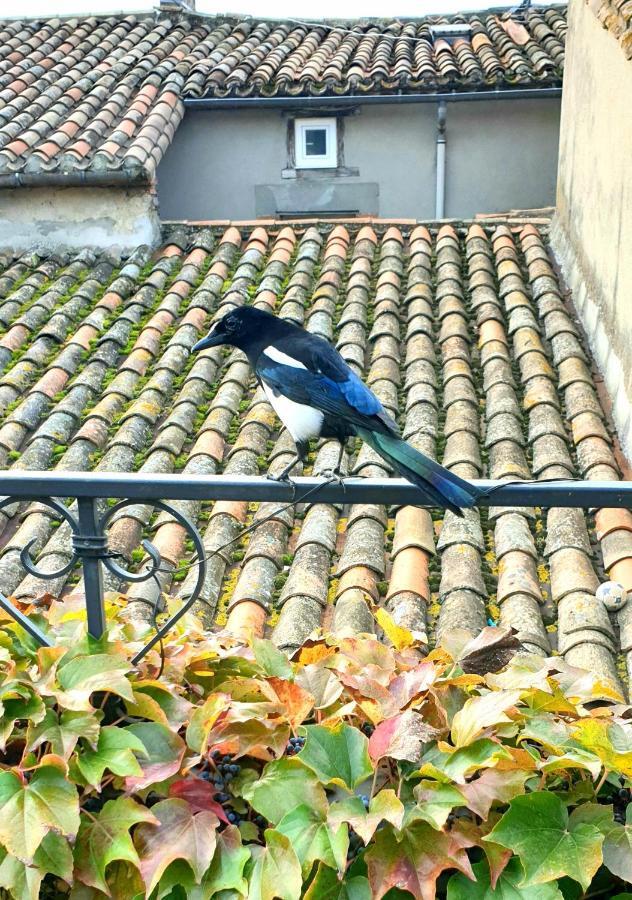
{"x":223,"y":772}
{"x":367,"y":728}
{"x":365,"y":800}
{"x":295,"y":745}
{"x":620,"y":803}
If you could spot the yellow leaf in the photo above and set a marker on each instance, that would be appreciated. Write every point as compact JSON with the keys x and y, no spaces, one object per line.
{"x":598,"y":736}
{"x":398,"y":636}
{"x":478,"y":713}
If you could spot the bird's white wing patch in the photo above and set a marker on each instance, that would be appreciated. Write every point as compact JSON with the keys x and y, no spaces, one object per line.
{"x":303,"y":422}
{"x":282,"y":358}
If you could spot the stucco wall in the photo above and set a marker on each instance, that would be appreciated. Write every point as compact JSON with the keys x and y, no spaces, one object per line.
{"x":500,"y":155}
{"x":49,"y":218}
{"x":592,"y":231}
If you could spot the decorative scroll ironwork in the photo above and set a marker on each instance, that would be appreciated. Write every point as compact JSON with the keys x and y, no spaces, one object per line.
{"x":90,"y":546}
{"x":89,"y":541}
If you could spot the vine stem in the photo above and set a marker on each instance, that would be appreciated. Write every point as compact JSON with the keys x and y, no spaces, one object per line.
{"x":601,"y":781}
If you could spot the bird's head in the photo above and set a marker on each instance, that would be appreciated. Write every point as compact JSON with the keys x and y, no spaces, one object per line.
{"x":237,"y":328}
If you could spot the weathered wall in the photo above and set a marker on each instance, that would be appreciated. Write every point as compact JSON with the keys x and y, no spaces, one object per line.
{"x":49,"y":218}
{"x":592,"y":231}
{"x":500,"y":155}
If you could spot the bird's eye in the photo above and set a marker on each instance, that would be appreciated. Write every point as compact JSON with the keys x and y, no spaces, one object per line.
{"x":230,"y":323}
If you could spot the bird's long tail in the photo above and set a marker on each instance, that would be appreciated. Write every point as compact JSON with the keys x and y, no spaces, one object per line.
{"x":442,"y":486}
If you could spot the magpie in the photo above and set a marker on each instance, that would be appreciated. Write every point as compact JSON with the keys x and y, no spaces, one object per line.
{"x":315,"y":394}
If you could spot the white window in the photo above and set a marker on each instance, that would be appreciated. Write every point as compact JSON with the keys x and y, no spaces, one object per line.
{"x":315,"y":142}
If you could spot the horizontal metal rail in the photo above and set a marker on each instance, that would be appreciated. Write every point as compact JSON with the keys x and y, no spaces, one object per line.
{"x":389,"y":491}
{"x":88,"y":524}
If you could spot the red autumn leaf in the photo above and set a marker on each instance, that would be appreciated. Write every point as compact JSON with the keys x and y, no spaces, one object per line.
{"x":199,"y":794}
{"x":412,"y":683}
{"x":414,"y":861}
{"x":401,"y":737}
{"x":296,"y":701}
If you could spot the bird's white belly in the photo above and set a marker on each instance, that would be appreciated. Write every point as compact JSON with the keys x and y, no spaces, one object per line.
{"x":303,"y":422}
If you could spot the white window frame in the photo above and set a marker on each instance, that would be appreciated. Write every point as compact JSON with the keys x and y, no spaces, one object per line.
{"x":328,"y":160}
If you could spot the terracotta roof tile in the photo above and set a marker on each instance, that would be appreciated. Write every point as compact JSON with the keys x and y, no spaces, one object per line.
{"x":109,"y":96}
{"x":491,"y":397}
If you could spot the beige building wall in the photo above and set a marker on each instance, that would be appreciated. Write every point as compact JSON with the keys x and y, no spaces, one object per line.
{"x":52,"y":218}
{"x":592,"y":231}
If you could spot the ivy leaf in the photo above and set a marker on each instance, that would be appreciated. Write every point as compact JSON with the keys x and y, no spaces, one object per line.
{"x":478,"y":713}
{"x":607,"y":741}
{"x":313,"y":839}
{"x":493,"y":786}
{"x":29,"y":811}
{"x":550,"y":845}
{"x":62,"y":732}
{"x":272,"y":660}
{"x":227,"y":869}
{"x":435,"y":802}
{"x":164,"y":750}
{"x":105,"y":838}
{"x":457,"y":765}
{"x":490,"y":651}
{"x":55,"y":856}
{"x":327,"y":886}
{"x":414,"y":861}
{"x":83,"y":675}
{"x":338,"y":755}
{"x":572,"y":758}
{"x":617,"y":845}
{"x":276,"y":874}
{"x":284,"y":785}
{"x":159,"y":702}
{"x":114,"y":752}
{"x":385,"y":806}
{"x":401,"y":737}
{"x":178,"y":835}
{"x":296,"y":702}
{"x":508,"y":886}
{"x":321,"y":683}
{"x":203,"y":720}
{"x":19,"y":701}
{"x":400,"y":638}
{"x":199,"y":795}
{"x":21,"y":881}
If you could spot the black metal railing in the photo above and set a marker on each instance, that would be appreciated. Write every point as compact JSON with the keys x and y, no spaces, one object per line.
{"x":89,"y":525}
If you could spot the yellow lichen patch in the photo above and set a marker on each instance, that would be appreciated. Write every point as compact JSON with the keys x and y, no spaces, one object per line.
{"x":543,"y":574}
{"x":332,"y":591}
{"x":227,"y":592}
{"x":491,"y":561}
{"x":493,"y":609}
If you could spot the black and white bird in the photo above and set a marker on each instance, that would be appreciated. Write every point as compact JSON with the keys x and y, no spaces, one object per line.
{"x":315,"y":394}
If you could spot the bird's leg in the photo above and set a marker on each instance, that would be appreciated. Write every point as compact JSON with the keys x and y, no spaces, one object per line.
{"x":336,"y":474}
{"x":302,"y":449}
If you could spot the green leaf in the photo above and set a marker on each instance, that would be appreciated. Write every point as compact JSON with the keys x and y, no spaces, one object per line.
{"x":284,"y":785}
{"x":23,"y":882}
{"x":507,"y":887}
{"x":55,"y":856}
{"x":435,"y":802}
{"x":159,"y":702}
{"x":460,"y":764}
{"x":617,"y":845}
{"x":227,"y":869}
{"x":19,"y":701}
{"x":414,"y":860}
{"x":313,"y":839}
{"x":178,"y":835}
{"x":114,"y":752}
{"x":550,"y":845}
{"x":479,"y":713}
{"x":276,"y":874}
{"x":272,"y":660}
{"x":62,"y":732}
{"x":203,"y":720}
{"x":29,"y":811}
{"x":104,"y":838}
{"x":164,"y":750}
{"x":338,"y":755}
{"x":384,"y":807}
{"x":84,"y":675}
{"x":327,"y":886}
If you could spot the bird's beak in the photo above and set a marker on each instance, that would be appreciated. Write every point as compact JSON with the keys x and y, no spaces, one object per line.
{"x":214,"y":338}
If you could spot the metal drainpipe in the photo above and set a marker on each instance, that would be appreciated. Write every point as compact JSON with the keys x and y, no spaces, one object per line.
{"x":442,"y":113}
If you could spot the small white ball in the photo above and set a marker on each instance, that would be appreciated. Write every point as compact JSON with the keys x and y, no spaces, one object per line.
{"x":612,"y":594}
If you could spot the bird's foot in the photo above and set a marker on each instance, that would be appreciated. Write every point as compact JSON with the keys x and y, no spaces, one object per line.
{"x":334,"y":475}
{"x":283,"y":478}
